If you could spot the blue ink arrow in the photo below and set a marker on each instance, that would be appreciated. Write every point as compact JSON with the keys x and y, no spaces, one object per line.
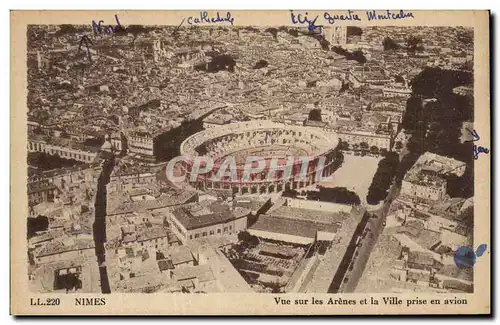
{"x":474,"y":134}
{"x":177,"y":28}
{"x":85,"y":39}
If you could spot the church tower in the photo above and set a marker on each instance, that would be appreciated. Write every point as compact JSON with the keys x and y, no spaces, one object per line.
{"x":336,"y":35}
{"x":157,"y":50}
{"x":39,"y":62}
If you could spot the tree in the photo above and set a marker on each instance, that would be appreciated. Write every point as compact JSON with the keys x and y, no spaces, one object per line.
{"x":364,"y":145}
{"x":339,"y":160}
{"x":466,"y":37}
{"x":374,"y":150}
{"x":469,"y":66}
{"x":325,"y":45}
{"x":315,"y":115}
{"x":357,"y":56}
{"x":66,"y":29}
{"x":71,"y":282}
{"x":354,"y":31}
{"x":398,"y":145}
{"x":40,"y":223}
{"x":399,"y":79}
{"x":311,"y":84}
{"x":250,"y":240}
{"x":389,"y":44}
{"x":292,"y":32}
{"x":218,"y":63}
{"x":290,"y":193}
{"x":436,"y":82}
{"x":339,"y":50}
{"x":84,"y":208}
{"x":414,"y":44}
{"x":41,"y":116}
{"x":273,"y":31}
{"x":251,"y":29}
{"x":339,"y":195}
{"x":260,"y":64}
{"x":382,"y":179}
{"x":413,"y":113}
{"x":416,"y":143}
{"x":436,"y":126}
{"x":135,"y":30}
{"x":345,"y":87}
{"x":343,"y":145}
{"x":45,"y":161}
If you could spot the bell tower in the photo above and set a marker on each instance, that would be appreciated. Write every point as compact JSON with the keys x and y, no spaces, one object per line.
{"x":336,"y":35}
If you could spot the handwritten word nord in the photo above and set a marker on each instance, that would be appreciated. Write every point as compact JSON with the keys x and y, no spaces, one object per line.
{"x":303,"y":19}
{"x":205,"y":19}
{"x":99,"y":27}
{"x":388,"y":15}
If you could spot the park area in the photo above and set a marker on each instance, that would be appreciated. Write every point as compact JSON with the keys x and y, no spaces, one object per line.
{"x":355,"y":174}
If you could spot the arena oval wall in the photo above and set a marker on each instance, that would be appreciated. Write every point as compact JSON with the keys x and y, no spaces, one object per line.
{"x":265,"y":139}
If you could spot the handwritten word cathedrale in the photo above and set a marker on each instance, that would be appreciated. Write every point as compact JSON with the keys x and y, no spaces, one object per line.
{"x":206,"y":19}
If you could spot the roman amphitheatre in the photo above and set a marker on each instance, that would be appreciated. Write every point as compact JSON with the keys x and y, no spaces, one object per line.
{"x":264,"y":139}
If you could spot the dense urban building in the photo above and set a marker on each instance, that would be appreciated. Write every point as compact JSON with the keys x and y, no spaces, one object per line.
{"x":425,"y":180}
{"x":333,"y":105}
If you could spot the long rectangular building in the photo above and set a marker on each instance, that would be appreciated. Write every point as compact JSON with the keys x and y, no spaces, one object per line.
{"x":207,"y":218}
{"x":79,"y":153}
{"x":295,"y":231}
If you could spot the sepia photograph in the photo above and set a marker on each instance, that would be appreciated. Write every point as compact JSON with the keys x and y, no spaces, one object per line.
{"x":203,"y":157}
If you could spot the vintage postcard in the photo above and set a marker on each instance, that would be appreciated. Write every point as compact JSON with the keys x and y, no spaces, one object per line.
{"x":294,"y":162}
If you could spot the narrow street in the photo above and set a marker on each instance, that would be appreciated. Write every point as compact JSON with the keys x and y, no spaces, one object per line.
{"x":99,"y":226}
{"x":347,"y":278}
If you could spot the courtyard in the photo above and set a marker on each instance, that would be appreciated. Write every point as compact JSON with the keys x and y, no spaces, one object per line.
{"x":355,"y":174}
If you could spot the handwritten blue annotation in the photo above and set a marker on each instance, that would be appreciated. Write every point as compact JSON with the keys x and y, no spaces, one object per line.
{"x":476,"y":150}
{"x":303,"y":19}
{"x":85,"y":40}
{"x":388,"y":15}
{"x":465,"y":257}
{"x":350,"y":16}
{"x":205,"y":19}
{"x":99,"y":26}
